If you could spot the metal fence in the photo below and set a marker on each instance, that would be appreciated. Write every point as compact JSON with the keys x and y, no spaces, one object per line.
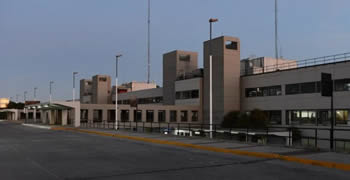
{"x":300,"y":63}
{"x":309,"y":137}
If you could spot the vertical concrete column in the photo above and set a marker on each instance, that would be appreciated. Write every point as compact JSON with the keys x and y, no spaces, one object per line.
{"x":155,"y":115}
{"x":178,"y":114}
{"x":77,"y":117}
{"x":43,"y":117}
{"x":283,"y":118}
{"x":143,"y":115}
{"x":119,"y":114}
{"x":104,"y":115}
{"x":34,"y":115}
{"x":167,"y":116}
{"x":90,"y":115}
{"x":50,"y":116}
{"x":131,"y":115}
{"x":64,"y":117}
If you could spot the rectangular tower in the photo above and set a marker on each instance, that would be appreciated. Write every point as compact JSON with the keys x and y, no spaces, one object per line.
{"x":85,"y":91}
{"x":176,"y":64}
{"x":101,"y":89}
{"x":225,"y":52}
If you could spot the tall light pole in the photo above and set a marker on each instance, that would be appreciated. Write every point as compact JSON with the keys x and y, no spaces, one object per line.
{"x":116,"y":90}
{"x":51,"y":82}
{"x":149,"y":42}
{"x":211,"y":21}
{"x":17,"y":95}
{"x":74,"y":73}
{"x":35,"y":93}
{"x":25,"y":96}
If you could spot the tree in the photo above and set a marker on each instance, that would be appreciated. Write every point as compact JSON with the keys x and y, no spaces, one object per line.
{"x":255,"y":119}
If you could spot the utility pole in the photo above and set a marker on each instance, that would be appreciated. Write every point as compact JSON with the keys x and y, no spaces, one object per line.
{"x":211,"y":21}
{"x":149,"y":42}
{"x":276,"y":35}
{"x":116,"y":90}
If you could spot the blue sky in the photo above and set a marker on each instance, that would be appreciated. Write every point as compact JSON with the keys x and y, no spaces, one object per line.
{"x":43,"y":40}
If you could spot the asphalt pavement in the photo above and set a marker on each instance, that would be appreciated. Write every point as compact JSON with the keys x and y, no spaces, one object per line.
{"x":33,"y":153}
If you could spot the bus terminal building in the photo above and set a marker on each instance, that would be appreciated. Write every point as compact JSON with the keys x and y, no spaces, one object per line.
{"x":287,"y":90}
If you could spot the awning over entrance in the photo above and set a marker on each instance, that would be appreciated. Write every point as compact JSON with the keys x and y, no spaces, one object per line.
{"x":48,"y":106}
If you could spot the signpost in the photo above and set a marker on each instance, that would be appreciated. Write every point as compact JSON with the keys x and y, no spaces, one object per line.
{"x":327,"y":91}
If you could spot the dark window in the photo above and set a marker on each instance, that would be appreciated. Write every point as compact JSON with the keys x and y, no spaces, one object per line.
{"x":251,"y":92}
{"x":97,"y":115}
{"x":195,"y":94}
{"x":275,"y":117}
{"x":84,"y":114}
{"x":173,"y":116}
{"x":194,"y":116}
{"x":292,"y":89}
{"x":301,"y":117}
{"x":111,"y":115}
{"x":318,"y":86}
{"x":184,"y":116}
{"x":149,"y":116}
{"x":161,"y":116}
{"x":124,"y":115}
{"x":137,"y":115}
{"x":102,"y":79}
{"x":231,"y":45}
{"x":184,"y":57}
{"x":308,"y":87}
{"x":342,"y":85}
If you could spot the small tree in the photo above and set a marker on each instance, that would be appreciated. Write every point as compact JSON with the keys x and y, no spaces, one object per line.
{"x":231,"y":119}
{"x":256,"y":119}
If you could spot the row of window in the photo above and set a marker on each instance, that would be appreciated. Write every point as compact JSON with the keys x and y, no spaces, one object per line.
{"x":316,"y":117}
{"x":151,"y":100}
{"x":125,"y":115}
{"x":264,"y":91}
{"x":297,"y":88}
{"x":192,"y":94}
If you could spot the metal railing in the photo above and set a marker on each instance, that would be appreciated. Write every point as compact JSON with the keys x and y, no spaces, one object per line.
{"x":309,"y":137}
{"x":298,"y":64}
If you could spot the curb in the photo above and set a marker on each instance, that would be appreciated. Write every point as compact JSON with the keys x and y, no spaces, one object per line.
{"x":327,"y":164}
{"x":37,"y":126}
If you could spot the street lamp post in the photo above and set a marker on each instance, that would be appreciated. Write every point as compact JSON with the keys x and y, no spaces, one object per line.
{"x":116,"y":90}
{"x":25,"y":110}
{"x":35,"y":93}
{"x":211,"y":20}
{"x":74,"y":73}
{"x":51,"y":82}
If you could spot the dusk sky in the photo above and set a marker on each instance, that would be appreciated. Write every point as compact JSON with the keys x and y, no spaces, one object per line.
{"x":44,"y":40}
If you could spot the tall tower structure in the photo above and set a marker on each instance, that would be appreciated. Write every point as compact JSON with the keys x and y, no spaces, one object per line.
{"x":175,"y":64}
{"x":101,"y":89}
{"x":225,"y":77}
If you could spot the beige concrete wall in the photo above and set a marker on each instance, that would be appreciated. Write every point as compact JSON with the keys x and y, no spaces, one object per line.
{"x":312,"y":101}
{"x":144,"y":108}
{"x":174,"y":67}
{"x":101,"y":90}
{"x":226,"y":78}
{"x":186,"y":85}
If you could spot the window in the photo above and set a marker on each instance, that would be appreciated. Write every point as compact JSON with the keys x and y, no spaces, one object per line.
{"x":124,"y":115}
{"x":97,"y":115}
{"x":342,"y":116}
{"x":308,"y":87}
{"x":275,"y":117}
{"x":173,"y":116}
{"x":137,"y":115}
{"x":264,"y":91}
{"x":184,"y":57}
{"x":231,"y":45}
{"x":192,"y":94}
{"x":111,"y":115}
{"x":251,"y":92}
{"x":342,"y":85}
{"x":161,"y":116}
{"x":104,"y":79}
{"x":184,"y":116}
{"x":301,"y":117}
{"x":149,"y":116}
{"x":292,"y":89}
{"x":84,"y":114}
{"x":194,"y":116}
